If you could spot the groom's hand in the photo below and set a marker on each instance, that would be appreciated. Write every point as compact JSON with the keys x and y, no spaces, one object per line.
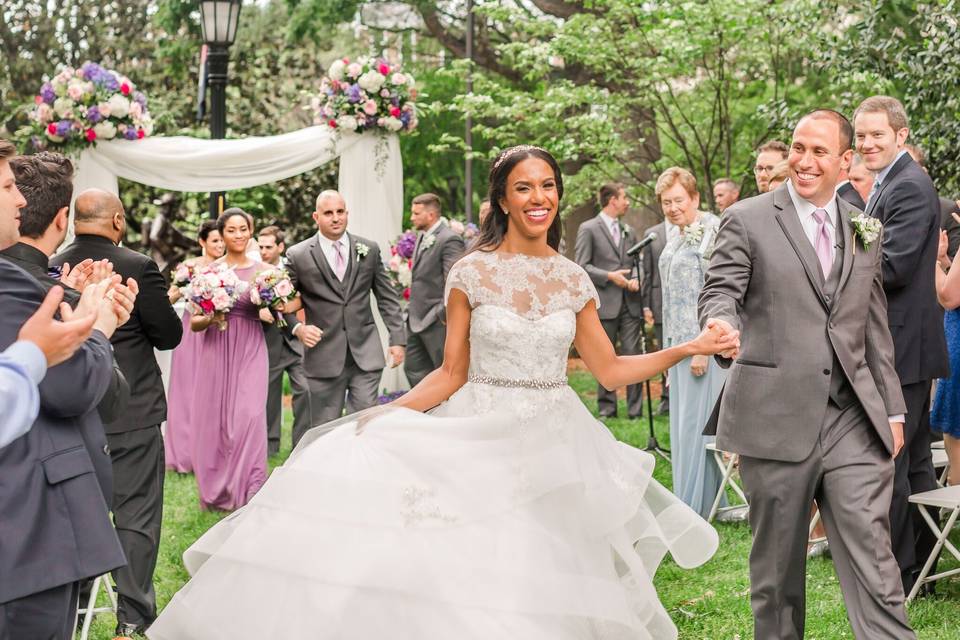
{"x":308,"y":334}
{"x":725,"y":328}
{"x":897,"y":429}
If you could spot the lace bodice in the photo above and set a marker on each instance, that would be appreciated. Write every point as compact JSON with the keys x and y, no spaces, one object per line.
{"x":524,"y":312}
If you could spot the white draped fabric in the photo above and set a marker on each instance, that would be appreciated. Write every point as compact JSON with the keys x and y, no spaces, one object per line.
{"x":371,"y":174}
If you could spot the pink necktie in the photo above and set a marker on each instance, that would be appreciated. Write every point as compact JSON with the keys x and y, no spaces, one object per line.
{"x":616,"y":233}
{"x":339,"y":264}
{"x":822,"y":244}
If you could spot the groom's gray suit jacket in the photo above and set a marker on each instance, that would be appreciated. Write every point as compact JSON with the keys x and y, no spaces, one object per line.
{"x":342,"y":309}
{"x":764,"y":279}
{"x":430,"y":268}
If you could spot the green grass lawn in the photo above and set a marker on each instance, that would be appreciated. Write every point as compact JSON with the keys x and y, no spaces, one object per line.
{"x":711,"y":601}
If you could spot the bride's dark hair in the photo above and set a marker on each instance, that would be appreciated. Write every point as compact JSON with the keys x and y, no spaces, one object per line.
{"x":494,"y":226}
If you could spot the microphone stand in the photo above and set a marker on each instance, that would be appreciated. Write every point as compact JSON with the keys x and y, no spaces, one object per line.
{"x":652,"y":444}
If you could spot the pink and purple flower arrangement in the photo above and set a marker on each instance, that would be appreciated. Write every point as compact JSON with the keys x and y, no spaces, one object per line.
{"x":272,"y":288}
{"x":366,"y":94}
{"x":215,"y":290}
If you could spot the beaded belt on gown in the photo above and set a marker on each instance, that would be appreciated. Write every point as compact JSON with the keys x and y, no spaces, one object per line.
{"x":556,"y":383}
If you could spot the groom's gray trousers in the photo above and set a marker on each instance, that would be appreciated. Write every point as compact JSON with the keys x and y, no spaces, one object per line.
{"x":850,"y":474}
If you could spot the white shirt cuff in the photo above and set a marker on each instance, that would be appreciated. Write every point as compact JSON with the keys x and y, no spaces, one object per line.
{"x":897,"y":418}
{"x":31,"y":357}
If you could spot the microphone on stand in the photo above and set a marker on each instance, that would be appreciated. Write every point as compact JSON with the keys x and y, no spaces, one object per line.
{"x":637,"y":248}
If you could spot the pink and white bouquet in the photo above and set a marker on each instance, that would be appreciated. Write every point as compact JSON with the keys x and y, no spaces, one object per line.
{"x":78,"y":107}
{"x":183,"y":274}
{"x":400,"y":263}
{"x":366,"y":94}
{"x":215,"y":290}
{"x":272,"y":288}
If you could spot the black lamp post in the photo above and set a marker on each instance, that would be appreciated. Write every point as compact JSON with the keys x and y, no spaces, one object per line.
{"x":218,"y":19}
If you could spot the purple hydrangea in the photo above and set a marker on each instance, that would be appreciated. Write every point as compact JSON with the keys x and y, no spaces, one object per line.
{"x":99,"y":76}
{"x":406,"y":244}
{"x":139,"y":98}
{"x":389,"y":397}
{"x":94,"y":115}
{"x":471,"y":228}
{"x":63,"y":128}
{"x":130,"y":134}
{"x":354,"y":93}
{"x":405,"y":118}
{"x":47,"y":93}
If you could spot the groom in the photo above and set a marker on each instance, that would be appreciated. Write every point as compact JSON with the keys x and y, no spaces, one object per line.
{"x":335,"y":273}
{"x":812,"y":403}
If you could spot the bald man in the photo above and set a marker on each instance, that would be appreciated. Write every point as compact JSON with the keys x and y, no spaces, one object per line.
{"x":135,"y":443}
{"x":335,"y":273}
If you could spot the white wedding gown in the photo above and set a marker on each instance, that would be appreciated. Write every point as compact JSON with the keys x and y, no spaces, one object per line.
{"x":506,"y":512}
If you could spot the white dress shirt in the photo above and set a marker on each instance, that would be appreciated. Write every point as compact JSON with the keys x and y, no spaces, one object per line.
{"x":326,"y":245}
{"x":805,"y":210}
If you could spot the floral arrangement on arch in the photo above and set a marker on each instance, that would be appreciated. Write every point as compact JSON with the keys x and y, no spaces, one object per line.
{"x":366,"y":94}
{"x":78,"y":107}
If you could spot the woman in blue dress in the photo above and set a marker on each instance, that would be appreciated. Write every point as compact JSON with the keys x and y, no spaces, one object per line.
{"x":945,"y":415}
{"x":695,"y":382}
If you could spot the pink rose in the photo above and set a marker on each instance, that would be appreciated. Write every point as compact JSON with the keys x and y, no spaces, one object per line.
{"x":395,"y":112}
{"x":284,"y":289}
{"x":354,"y":70}
{"x":383,"y":68}
{"x":370,"y":107}
{"x":221,"y":301}
{"x":75,"y":92}
{"x":255,"y":297}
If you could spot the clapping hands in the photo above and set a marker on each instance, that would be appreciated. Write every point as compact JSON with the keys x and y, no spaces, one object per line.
{"x":717,"y":338}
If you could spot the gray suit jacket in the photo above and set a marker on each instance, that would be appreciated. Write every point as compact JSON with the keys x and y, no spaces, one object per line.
{"x":764,"y":278}
{"x":56,"y":479}
{"x":598,"y":255}
{"x":430,"y":268}
{"x":650,"y":291}
{"x":342,"y":309}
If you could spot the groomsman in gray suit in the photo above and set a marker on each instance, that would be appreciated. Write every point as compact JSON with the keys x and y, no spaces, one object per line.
{"x":285,"y":353}
{"x":601,"y":249}
{"x":335,"y":273}
{"x":812,"y":402}
{"x":437,"y":249}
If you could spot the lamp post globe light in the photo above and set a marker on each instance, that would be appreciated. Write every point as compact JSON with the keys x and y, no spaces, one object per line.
{"x":218,"y":21}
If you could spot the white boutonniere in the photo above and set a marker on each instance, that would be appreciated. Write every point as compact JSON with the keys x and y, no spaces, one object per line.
{"x":693,"y":233}
{"x":362,"y":250}
{"x":866,"y":228}
{"x":428,"y":242}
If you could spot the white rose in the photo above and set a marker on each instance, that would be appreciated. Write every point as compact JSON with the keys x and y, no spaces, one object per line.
{"x":136,"y":111}
{"x":404,"y":275}
{"x":44,"y":113}
{"x":335,"y":72}
{"x":398,"y":78}
{"x":392,"y":124}
{"x":105,"y":130}
{"x":146,"y":123}
{"x":119,"y":106}
{"x":75,"y":90}
{"x":371,"y":81}
{"x":457,"y":227}
{"x":347,"y":122}
{"x":63,"y":107}
{"x":354,"y":69}
{"x":104,"y":109}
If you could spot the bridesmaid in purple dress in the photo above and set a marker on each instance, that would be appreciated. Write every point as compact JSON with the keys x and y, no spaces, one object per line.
{"x":229,"y":448}
{"x":185,"y":364}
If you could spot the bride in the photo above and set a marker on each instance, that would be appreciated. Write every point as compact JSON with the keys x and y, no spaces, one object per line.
{"x":506,"y":511}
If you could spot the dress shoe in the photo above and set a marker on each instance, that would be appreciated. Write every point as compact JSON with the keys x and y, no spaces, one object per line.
{"x":817,"y":549}
{"x":129,"y":631}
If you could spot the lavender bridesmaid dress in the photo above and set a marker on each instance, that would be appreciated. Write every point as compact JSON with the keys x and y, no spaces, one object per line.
{"x":229,"y":440}
{"x":180,"y":427}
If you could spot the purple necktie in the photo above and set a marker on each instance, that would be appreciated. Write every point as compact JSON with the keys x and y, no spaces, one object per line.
{"x":339,"y":264}
{"x":822,"y":244}
{"x":616,"y":233}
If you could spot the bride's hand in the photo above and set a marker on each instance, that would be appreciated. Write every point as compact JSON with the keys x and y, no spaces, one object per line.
{"x":718,"y":337}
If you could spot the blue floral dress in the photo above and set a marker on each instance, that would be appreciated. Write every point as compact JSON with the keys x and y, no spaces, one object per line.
{"x":945,"y":415}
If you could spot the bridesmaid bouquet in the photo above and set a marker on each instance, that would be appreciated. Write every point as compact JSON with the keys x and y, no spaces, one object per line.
{"x":214,"y":290}
{"x":271,"y":290}
{"x":183,"y":275}
{"x":400,"y":264}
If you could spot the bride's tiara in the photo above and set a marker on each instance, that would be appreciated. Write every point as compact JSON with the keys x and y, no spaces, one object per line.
{"x":520,"y":148}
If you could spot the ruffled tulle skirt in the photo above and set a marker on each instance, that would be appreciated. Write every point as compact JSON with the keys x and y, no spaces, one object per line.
{"x":505,"y":513}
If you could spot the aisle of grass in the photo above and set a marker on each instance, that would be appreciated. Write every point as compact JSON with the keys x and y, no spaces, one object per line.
{"x":710,"y":602}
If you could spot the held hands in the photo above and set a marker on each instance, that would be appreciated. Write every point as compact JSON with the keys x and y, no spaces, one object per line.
{"x":308,"y":334}
{"x":718,"y":337}
{"x":396,"y":356}
{"x":58,"y":340}
{"x":619,"y":278}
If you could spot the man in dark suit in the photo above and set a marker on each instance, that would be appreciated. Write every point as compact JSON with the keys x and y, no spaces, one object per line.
{"x":46,"y":181}
{"x":136,"y":446}
{"x":437,"y":249}
{"x":947,"y":207}
{"x":905,"y":201}
{"x":601,"y":250}
{"x":848,"y":192}
{"x":335,"y":273}
{"x":55,"y":530}
{"x":285,"y":352}
{"x":652,"y":296}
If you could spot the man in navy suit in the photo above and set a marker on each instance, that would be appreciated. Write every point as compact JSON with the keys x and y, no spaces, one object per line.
{"x":904,"y":199}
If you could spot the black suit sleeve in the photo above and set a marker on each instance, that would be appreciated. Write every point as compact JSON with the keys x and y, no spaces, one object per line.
{"x":906,"y":223}
{"x":160,"y":323}
{"x":115,"y":400}
{"x":388,"y":301}
{"x":950,"y":225}
{"x":77,"y":386}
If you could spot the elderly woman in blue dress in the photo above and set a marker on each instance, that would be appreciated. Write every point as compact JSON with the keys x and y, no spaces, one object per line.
{"x":695,"y":382}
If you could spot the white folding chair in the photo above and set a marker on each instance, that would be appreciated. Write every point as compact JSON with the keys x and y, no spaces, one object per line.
{"x":948,"y":499}
{"x":942,"y":462}
{"x":92,"y":609}
{"x":727,"y":468}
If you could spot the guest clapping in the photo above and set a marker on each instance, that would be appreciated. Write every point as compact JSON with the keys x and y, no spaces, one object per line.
{"x":695,"y":382}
